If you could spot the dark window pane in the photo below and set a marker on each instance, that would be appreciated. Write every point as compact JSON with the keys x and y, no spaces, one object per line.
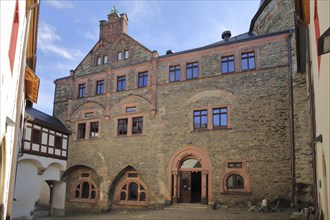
{"x":235,"y":181}
{"x":77,"y":194}
{"x":81,"y":131}
{"x":143,"y":196}
{"x":192,"y":70}
{"x":248,"y":61}
{"x":123,"y":196}
{"x":133,"y":191}
{"x":85,"y":190}
{"x":137,"y":125}
{"x":174,"y":73}
{"x":122,"y":126}
{"x":36,"y":136}
{"x":244,"y":64}
{"x":121,"y":83}
{"x":58,"y":142}
{"x":82,"y":90}
{"x":143,"y":79}
{"x":100,"y":87}
{"x":200,"y":119}
{"x":93,"y":195}
{"x":94,"y":129}
{"x":251,"y":63}
{"x":141,"y":187}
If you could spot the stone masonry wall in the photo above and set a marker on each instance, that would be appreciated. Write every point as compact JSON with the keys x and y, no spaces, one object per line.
{"x":259,"y":124}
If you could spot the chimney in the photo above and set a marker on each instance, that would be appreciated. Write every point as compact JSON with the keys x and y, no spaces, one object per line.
{"x":226,"y":35}
{"x":169,"y":52}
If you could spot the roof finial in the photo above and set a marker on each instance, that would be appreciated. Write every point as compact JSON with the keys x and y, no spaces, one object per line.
{"x":114,"y":10}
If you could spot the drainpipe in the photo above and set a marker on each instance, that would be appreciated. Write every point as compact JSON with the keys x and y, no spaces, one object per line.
{"x":292,"y":140}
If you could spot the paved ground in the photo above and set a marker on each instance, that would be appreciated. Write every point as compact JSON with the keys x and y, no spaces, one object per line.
{"x":225,"y":214}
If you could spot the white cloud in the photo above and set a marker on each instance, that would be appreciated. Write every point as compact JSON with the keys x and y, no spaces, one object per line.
{"x":48,"y":43}
{"x":140,"y":12}
{"x":60,"y":4}
{"x":92,"y":35}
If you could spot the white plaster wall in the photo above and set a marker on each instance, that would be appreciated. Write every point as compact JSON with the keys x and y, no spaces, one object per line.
{"x":30,"y":185}
{"x":10,"y":93}
{"x":321,"y":81}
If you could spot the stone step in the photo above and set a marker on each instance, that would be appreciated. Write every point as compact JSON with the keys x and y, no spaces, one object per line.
{"x":189,"y":206}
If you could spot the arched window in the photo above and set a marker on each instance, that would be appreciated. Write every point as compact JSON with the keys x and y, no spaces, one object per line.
{"x":132,"y":191}
{"x":84,"y":189}
{"x":235,"y":181}
{"x":191,"y":163}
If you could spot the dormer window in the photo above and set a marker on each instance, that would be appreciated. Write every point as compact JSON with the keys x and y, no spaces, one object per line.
{"x":119,"y":55}
{"x":126,"y":54}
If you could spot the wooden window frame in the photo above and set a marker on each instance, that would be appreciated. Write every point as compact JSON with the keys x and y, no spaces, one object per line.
{"x":235,"y":182}
{"x":200,"y":116}
{"x":144,"y":77}
{"x":225,"y":61}
{"x":126,"y":54}
{"x":138,"y":121}
{"x":247,"y":56}
{"x":38,"y":136}
{"x":190,"y":67}
{"x":99,"y":87}
{"x":121,"y":121}
{"x":119,"y":55}
{"x":81,"y":90}
{"x":105,"y":59}
{"x":210,"y":125}
{"x":220,"y":120}
{"x":79,"y":135}
{"x":98,"y":61}
{"x":121,"y":82}
{"x":175,"y":70}
{"x":92,"y":129}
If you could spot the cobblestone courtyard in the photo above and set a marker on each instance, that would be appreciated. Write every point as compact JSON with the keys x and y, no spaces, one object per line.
{"x":226,"y":214}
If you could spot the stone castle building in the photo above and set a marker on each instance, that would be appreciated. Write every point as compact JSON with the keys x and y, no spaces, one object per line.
{"x":224,"y":123}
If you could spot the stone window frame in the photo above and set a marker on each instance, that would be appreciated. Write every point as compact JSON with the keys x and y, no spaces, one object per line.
{"x":210,"y":118}
{"x":82,"y":179}
{"x":105,"y":59}
{"x":241,"y":171}
{"x":87,"y":120}
{"x":131,"y":177}
{"x":98,"y":61}
{"x":121,"y":55}
{"x":130,"y":105}
{"x":126,"y":52}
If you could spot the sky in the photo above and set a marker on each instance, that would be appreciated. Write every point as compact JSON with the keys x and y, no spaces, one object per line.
{"x":68,"y":30}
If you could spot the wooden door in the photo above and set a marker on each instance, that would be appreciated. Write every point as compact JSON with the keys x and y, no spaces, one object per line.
{"x":185,"y":191}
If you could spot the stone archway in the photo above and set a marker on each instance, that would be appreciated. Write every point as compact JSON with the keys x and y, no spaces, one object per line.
{"x":176,"y":170}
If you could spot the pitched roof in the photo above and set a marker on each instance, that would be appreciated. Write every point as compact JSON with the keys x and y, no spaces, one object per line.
{"x":47,"y":120}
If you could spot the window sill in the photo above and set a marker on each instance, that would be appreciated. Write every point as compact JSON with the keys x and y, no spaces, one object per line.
{"x":213,"y":129}
{"x":235,"y":193}
{"x":132,"y":135}
{"x":84,"y":200}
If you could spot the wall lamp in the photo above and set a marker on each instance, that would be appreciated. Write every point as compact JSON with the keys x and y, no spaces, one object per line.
{"x":318,"y":139}
{"x":324,"y":43}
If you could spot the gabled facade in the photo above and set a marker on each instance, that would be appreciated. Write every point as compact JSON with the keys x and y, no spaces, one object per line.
{"x":40,"y":164}
{"x":18,"y":83}
{"x":209,"y":125}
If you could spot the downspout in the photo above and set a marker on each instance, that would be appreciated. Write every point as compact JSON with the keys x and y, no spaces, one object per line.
{"x":292,"y":140}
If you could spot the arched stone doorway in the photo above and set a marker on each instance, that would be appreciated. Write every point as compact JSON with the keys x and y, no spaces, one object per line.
{"x":190,"y":176}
